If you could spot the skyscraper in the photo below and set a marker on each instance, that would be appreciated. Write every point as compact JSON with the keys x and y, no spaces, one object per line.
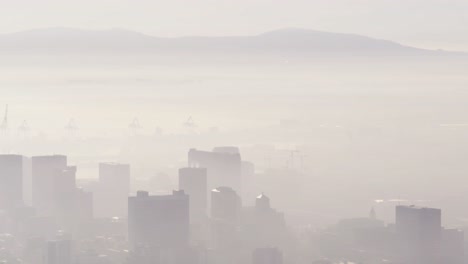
{"x":267,"y":256}
{"x":223,"y":165}
{"x":225,"y":216}
{"x":262,"y":225}
{"x":64,"y":197}
{"x":225,"y":204}
{"x":111,"y":198}
{"x":58,"y":252}
{"x":193,"y":181}
{"x":419,"y":231}
{"x":12,"y":170}
{"x":44,"y":172}
{"x":160,"y":221}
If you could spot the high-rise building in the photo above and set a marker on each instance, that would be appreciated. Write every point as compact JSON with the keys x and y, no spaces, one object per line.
{"x":12,"y":171}
{"x":248,"y":179}
{"x":225,"y":216}
{"x":262,"y":225}
{"x":225,"y":204}
{"x":223,"y":166}
{"x":267,"y":256}
{"x":64,"y":197}
{"x":83,"y":212}
{"x":44,"y":173}
{"x":159,"y":221}
{"x":193,"y":181}
{"x":453,"y":246}
{"x":111,"y":197}
{"x":58,"y":252}
{"x":419,"y":231}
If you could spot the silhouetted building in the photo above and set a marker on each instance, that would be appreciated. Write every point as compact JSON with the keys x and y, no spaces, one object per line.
{"x":453,"y":246}
{"x":111,"y":197}
{"x":225,"y":216}
{"x":262,"y":225}
{"x":193,"y":181}
{"x":83,"y":211}
{"x":247,"y":179}
{"x":223,"y":165}
{"x":419,"y":231}
{"x":58,"y":252}
{"x":160,"y":221}
{"x":12,"y":171}
{"x":44,"y":172}
{"x":64,"y":195}
{"x":267,"y":256}
{"x":225,"y":204}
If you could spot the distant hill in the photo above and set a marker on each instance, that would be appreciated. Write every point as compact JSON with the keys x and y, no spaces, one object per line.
{"x":128,"y":46}
{"x":281,"y":42}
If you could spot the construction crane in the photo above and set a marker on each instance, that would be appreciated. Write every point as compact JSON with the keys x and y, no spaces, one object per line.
{"x":4,"y":125}
{"x":71,"y":127}
{"x":190,"y":123}
{"x":134,"y":125}
{"x":24,"y":128}
{"x":293,"y":157}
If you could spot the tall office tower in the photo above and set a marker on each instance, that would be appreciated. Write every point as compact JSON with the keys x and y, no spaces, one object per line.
{"x":193,"y":181}
{"x":27,"y":181}
{"x":44,"y":172}
{"x":223,"y":165}
{"x":225,"y":204}
{"x":262,"y":225}
{"x":225,"y":212}
{"x":267,"y":256}
{"x":247,"y":179}
{"x":111,"y":198}
{"x":84,"y":205}
{"x":160,"y":221}
{"x":58,"y":252}
{"x":453,"y":246}
{"x":64,"y":197}
{"x":262,"y":203}
{"x":12,"y":171}
{"x":419,"y":231}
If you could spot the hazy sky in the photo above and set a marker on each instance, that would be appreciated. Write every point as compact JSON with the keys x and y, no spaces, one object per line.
{"x":422,"y":23}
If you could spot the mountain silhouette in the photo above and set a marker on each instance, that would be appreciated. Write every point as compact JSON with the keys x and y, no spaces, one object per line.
{"x":284,"y":41}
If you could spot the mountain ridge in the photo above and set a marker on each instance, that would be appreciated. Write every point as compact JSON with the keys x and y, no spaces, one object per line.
{"x":281,"y":41}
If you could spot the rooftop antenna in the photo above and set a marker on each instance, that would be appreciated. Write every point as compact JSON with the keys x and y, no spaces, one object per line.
{"x":4,"y":125}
